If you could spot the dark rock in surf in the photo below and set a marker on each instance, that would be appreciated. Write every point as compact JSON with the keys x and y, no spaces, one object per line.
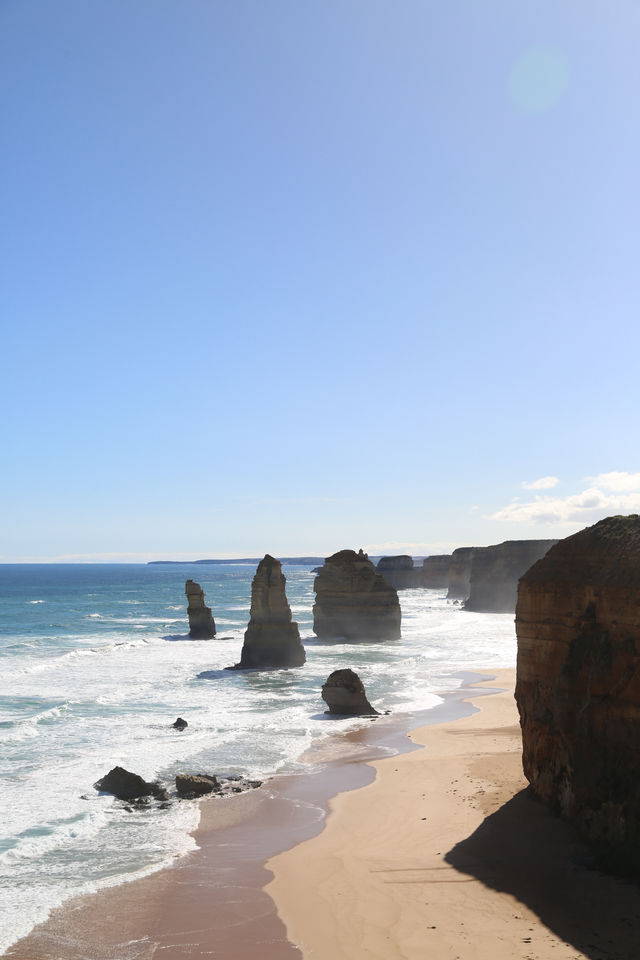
{"x":179,"y":724}
{"x":344,"y":693}
{"x":129,"y":786}
{"x":189,"y":786}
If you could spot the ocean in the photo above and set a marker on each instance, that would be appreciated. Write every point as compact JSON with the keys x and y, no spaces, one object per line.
{"x":96,"y":664}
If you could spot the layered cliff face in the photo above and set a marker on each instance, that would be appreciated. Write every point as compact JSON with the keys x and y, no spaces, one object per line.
{"x":272,"y":640}
{"x":495,"y":571}
{"x":344,"y":694}
{"x":201,"y":623}
{"x":578,"y":681}
{"x":460,"y":573}
{"x":353,"y":601}
{"x":398,"y":572}
{"x":435,"y":571}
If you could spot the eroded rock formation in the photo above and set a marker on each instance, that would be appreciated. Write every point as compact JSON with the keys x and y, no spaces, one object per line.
{"x":495,"y":571}
{"x":201,"y":623}
{"x":578,"y":681}
{"x":344,"y":693}
{"x":398,"y":572}
{"x":191,"y":785}
{"x":353,"y":601}
{"x":435,"y":571}
{"x":460,"y":573}
{"x":272,"y":640}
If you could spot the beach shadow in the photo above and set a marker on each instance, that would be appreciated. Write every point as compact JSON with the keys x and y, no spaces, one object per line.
{"x":524,"y":851}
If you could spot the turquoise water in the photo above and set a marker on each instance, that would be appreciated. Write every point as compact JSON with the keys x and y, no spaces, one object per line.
{"x":95,"y":665}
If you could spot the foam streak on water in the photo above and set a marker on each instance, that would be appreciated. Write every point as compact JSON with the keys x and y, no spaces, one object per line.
{"x":95,"y":666}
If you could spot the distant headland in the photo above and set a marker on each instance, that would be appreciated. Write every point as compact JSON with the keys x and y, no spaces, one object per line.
{"x":303,"y":561}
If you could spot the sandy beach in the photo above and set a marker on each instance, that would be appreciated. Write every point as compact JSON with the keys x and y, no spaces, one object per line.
{"x":445,"y":855}
{"x":433,"y":852}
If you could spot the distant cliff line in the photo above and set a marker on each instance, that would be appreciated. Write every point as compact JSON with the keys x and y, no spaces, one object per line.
{"x":303,"y":561}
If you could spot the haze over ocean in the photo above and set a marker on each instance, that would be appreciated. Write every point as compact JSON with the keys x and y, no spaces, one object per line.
{"x":296,"y":277}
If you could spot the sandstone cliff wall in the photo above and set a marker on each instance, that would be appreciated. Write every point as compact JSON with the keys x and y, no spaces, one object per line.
{"x":460,"y":573}
{"x":495,"y":571}
{"x":399,"y":572}
{"x":578,"y":681}
{"x":435,"y":571}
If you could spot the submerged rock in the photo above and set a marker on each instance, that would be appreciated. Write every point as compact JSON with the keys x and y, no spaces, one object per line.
{"x":272,"y":640}
{"x":201,"y":623}
{"x":344,"y":693}
{"x":129,"y":786}
{"x":495,"y":571}
{"x":353,"y":601}
{"x":578,"y":682}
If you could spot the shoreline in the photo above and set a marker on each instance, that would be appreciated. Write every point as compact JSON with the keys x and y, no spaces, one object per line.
{"x":161,"y":912}
{"x":445,"y":854}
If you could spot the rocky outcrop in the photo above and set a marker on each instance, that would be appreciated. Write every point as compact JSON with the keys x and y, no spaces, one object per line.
{"x":344,"y":693}
{"x":495,"y":572}
{"x":353,"y":601}
{"x":435,"y":571}
{"x":398,"y":572}
{"x":460,"y":573}
{"x":578,"y":682}
{"x":201,"y":623}
{"x":191,"y":785}
{"x":129,"y":786}
{"x":272,"y":640}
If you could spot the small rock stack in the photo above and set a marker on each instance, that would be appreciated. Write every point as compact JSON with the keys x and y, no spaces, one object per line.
{"x":201,"y":623}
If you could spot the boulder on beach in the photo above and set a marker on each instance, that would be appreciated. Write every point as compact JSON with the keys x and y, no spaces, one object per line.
{"x":578,"y":683}
{"x":353,"y":601}
{"x":344,"y":693}
{"x":191,"y":785}
{"x":129,"y":786}
{"x":201,"y":623}
{"x":272,"y":639}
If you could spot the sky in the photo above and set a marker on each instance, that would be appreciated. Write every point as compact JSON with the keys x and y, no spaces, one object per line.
{"x":290,"y":276}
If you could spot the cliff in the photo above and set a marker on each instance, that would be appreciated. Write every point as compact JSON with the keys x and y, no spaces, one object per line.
{"x":272,"y":640}
{"x":201,"y":623}
{"x":398,"y":572}
{"x":578,"y":682}
{"x":435,"y":571}
{"x":460,"y":573}
{"x":495,"y":572}
{"x":353,"y":601}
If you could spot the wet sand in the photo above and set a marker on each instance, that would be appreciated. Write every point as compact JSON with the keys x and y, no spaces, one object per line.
{"x":446,"y":855}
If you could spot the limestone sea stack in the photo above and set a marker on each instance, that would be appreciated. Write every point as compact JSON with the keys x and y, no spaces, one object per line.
{"x":201,"y":623}
{"x":353,"y":601}
{"x":495,"y":571}
{"x":272,"y":640}
{"x":344,"y":693}
{"x":460,"y":573}
{"x":435,"y":571}
{"x":398,"y":572}
{"x":578,"y":682}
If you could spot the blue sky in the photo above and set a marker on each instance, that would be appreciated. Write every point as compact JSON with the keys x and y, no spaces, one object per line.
{"x":290,"y":277}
